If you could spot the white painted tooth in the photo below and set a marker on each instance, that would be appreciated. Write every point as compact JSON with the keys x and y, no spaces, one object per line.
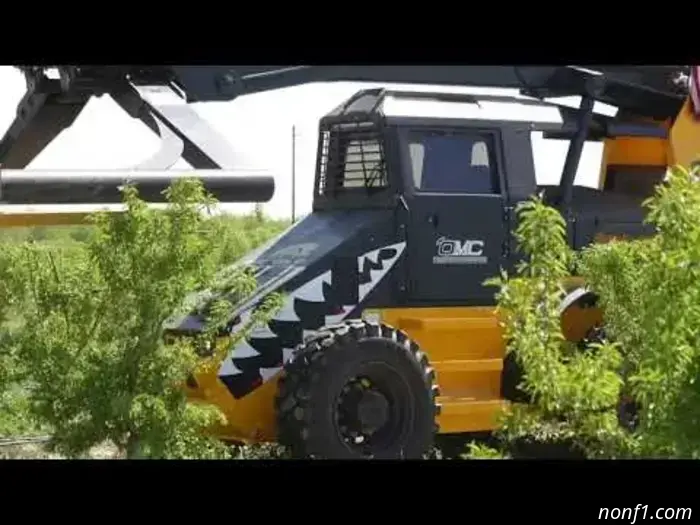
{"x":243,"y":350}
{"x":287,"y":313}
{"x":399,"y":247}
{"x":245,"y":319}
{"x":269,"y":373}
{"x":377,"y":275}
{"x":373,"y":255}
{"x":262,"y":332}
{"x":228,"y":368}
{"x":365,"y":289}
{"x":313,"y":290}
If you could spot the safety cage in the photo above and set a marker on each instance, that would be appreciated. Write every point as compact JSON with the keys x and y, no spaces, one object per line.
{"x":352,"y":154}
{"x":351,"y":157}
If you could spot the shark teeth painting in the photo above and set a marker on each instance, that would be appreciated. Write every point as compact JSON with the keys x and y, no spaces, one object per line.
{"x":260,"y":357}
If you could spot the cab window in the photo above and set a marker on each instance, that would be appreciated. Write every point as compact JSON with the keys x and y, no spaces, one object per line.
{"x":453,"y":163}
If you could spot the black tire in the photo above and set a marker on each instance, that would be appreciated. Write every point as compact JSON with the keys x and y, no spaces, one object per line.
{"x":511,"y":376}
{"x":312,"y":414}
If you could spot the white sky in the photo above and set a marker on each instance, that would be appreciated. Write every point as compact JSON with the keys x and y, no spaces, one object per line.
{"x":259,"y":128}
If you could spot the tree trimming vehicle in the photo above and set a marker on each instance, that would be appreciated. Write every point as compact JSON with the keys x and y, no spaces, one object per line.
{"x":387,"y":334}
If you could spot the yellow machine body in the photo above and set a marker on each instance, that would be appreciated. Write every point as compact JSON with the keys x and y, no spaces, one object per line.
{"x":682,"y":147}
{"x":465,"y":344}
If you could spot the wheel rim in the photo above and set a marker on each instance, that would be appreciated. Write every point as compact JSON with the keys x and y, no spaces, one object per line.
{"x":372,"y":410}
{"x":627,"y":413}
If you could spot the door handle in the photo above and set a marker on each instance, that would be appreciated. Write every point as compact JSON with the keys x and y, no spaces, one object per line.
{"x":433,"y":219}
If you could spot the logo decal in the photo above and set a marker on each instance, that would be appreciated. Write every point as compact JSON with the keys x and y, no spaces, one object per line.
{"x":453,"y":251}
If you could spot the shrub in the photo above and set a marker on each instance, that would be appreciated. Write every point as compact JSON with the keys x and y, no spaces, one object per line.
{"x":651,"y":301}
{"x":92,"y":327}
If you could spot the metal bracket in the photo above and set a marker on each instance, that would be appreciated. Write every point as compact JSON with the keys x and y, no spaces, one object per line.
{"x":171,"y":147}
{"x":594,"y":86}
{"x":203,"y":147}
{"x":171,"y":150}
{"x":41,"y":117}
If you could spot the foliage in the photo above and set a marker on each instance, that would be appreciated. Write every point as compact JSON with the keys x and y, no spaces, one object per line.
{"x":83,"y":310}
{"x":92,"y":318}
{"x":480,"y":451}
{"x":14,"y":416}
{"x":260,"y":451}
{"x":573,"y":393}
{"x":15,"y":413}
{"x":238,"y":234}
{"x":651,"y":303}
{"x":649,"y":291}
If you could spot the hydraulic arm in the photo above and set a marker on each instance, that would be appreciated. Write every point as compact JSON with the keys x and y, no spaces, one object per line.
{"x":52,"y":104}
{"x":159,"y":97}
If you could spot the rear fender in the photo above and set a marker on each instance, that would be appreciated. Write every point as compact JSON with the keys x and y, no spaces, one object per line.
{"x":579,"y":313}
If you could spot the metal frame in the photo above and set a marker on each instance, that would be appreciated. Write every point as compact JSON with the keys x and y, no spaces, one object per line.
{"x":578,"y":126}
{"x":595,"y":86}
{"x":51,"y":105}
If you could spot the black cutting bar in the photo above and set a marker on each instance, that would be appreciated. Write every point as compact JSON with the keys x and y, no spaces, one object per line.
{"x":95,"y":187}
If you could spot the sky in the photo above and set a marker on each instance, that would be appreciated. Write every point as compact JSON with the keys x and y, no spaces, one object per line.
{"x":259,"y":129}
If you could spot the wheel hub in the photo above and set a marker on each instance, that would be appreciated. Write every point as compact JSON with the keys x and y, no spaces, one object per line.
{"x":363,"y":410}
{"x":372,"y":411}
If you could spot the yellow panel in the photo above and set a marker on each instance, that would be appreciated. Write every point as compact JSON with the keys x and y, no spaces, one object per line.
{"x":460,"y":416}
{"x":26,"y":219}
{"x":451,"y":332}
{"x":685,"y":137}
{"x":682,"y":147}
{"x":633,"y":151}
{"x":638,"y":151}
{"x":250,"y":419}
{"x":465,"y":347}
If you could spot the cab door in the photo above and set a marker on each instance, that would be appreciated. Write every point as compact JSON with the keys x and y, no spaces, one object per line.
{"x":457,"y":227}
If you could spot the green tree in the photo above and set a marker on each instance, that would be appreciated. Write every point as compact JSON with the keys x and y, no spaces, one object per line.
{"x":93,"y":317}
{"x":573,"y":393}
{"x":651,"y":298}
{"x":651,"y":302}
{"x":14,"y":415}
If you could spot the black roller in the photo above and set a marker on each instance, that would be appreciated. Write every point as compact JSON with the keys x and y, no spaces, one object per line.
{"x":90,"y":187}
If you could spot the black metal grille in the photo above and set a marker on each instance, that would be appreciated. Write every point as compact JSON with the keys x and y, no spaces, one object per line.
{"x":351,"y":157}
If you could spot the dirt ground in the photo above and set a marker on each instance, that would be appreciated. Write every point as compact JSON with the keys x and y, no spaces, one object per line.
{"x":109,"y":451}
{"x":37,"y":451}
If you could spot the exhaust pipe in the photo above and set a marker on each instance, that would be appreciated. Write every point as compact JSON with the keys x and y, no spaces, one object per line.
{"x":103,"y":187}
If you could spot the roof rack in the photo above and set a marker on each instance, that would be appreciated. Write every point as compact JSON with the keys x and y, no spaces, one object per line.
{"x":367,"y":105}
{"x":371,"y":101}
